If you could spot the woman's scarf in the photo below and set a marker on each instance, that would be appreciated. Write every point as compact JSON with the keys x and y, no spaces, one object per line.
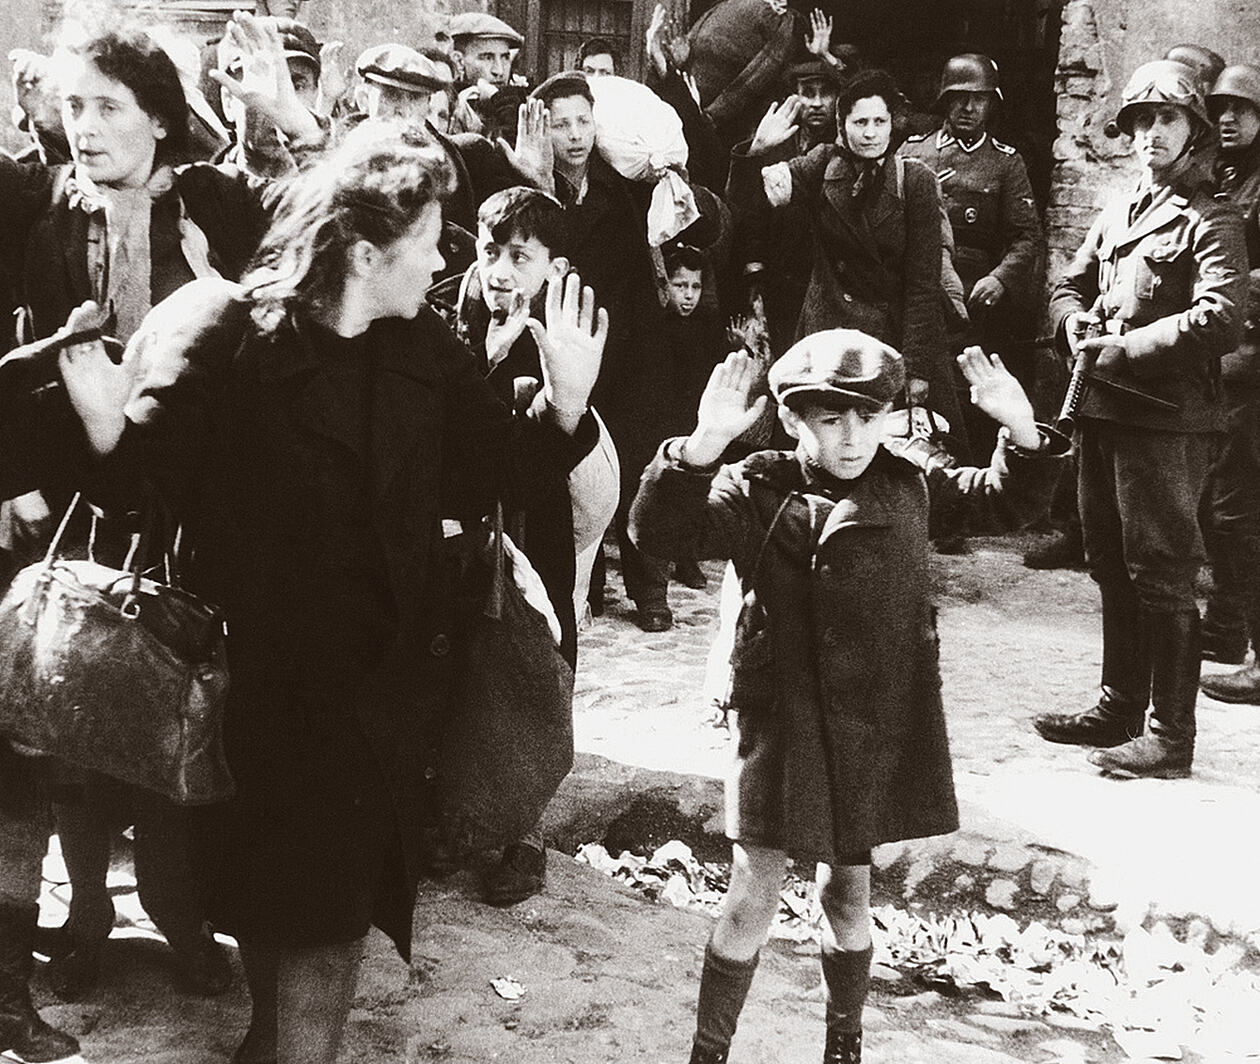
{"x":866,"y":176}
{"x":119,"y":264}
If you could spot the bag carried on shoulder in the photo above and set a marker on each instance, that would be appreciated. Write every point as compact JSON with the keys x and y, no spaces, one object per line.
{"x":112,"y":671}
{"x":509,"y":743}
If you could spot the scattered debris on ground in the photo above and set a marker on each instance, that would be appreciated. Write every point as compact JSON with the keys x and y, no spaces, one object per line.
{"x":1154,"y":993}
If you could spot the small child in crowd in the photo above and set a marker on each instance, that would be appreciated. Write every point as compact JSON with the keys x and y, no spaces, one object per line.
{"x":834,"y":679}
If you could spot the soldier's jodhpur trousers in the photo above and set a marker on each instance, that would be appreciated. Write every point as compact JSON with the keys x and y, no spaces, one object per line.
{"x":1139,"y":492}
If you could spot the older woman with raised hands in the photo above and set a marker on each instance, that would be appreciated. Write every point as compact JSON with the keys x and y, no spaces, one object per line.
{"x":124,"y":225}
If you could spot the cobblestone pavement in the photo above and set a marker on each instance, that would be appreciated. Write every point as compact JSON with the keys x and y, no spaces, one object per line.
{"x":610,"y":977}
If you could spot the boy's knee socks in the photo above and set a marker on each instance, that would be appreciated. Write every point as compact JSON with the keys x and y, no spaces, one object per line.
{"x":724,"y":985}
{"x":847,"y":975}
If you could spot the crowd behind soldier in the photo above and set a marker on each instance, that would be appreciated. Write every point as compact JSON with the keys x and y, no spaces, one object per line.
{"x":883,"y":267}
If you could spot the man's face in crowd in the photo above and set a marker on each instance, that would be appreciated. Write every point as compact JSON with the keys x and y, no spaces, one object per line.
{"x":1238,"y":122}
{"x":572,"y":131}
{"x":818,"y":102}
{"x":404,"y":107}
{"x":281,"y":8}
{"x":968,"y":113}
{"x":305,"y":78}
{"x":440,"y":111}
{"x":599,"y":65}
{"x":487,"y":59}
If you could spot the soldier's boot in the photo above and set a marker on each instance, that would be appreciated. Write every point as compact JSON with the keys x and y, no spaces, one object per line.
{"x":1224,"y":629}
{"x":724,"y":986}
{"x":1168,"y":749}
{"x":847,"y":980}
{"x":23,"y":1035}
{"x":1243,"y":686}
{"x":1126,"y":681}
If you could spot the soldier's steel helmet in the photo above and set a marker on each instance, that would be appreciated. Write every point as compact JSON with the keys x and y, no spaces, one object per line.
{"x":969,"y":72}
{"x":1207,"y":63}
{"x":1241,"y":81}
{"x":1163,"y":81}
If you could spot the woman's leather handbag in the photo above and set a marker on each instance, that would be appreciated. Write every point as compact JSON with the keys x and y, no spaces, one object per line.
{"x":112,"y":671}
{"x":509,"y":741}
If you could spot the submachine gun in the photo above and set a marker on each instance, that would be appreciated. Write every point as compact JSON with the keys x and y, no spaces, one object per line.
{"x":1083,"y":378}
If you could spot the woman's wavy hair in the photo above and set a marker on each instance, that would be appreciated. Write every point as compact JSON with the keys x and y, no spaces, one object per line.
{"x":374,"y":188}
{"x":128,"y":55}
{"x":865,"y":84}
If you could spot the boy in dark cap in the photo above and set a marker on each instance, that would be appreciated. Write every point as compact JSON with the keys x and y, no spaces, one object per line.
{"x":833,"y":673}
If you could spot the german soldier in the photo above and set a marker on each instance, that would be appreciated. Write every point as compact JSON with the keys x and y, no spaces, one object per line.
{"x":1162,"y":275}
{"x":1232,"y":503}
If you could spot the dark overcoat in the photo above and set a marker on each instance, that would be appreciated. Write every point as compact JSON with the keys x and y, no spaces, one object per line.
{"x":46,"y":234}
{"x":834,"y":674}
{"x":437,"y":445}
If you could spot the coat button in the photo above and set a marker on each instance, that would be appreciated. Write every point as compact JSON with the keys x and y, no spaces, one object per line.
{"x":848,"y":298}
{"x":829,"y":637}
{"x":440,"y":647}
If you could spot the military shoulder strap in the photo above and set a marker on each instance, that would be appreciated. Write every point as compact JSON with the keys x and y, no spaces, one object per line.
{"x":1005,"y":149}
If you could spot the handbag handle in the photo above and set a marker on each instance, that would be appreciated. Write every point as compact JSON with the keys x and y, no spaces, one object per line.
{"x":498,"y":566}
{"x":136,"y":553}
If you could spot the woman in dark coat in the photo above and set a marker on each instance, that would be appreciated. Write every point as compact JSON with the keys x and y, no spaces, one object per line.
{"x":124,"y":225}
{"x":876,"y":230}
{"x":313,"y":432}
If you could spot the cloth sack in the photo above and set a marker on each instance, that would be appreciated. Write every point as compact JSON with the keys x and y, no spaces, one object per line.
{"x":641,"y":137}
{"x":110,"y":670}
{"x":509,"y":741}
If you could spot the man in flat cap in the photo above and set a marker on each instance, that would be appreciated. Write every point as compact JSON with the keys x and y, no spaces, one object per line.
{"x":485,"y":47}
{"x":397,"y":84}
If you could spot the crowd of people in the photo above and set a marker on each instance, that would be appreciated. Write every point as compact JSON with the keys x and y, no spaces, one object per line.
{"x":334,"y":320}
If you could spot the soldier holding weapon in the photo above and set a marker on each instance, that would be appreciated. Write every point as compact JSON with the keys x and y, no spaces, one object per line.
{"x":1160,"y":280}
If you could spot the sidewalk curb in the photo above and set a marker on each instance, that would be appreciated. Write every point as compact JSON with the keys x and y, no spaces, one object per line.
{"x":991,"y":864}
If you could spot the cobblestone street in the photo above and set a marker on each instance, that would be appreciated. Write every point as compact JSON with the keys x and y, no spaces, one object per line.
{"x":609,"y":976}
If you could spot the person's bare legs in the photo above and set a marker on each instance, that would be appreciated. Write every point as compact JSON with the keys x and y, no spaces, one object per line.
{"x":301,"y":1001}
{"x":751,"y":901}
{"x":845,"y":894}
{"x":315,"y":989}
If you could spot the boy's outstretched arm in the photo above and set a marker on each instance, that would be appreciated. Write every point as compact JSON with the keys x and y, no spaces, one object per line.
{"x":683,"y":509}
{"x":1015,"y":488}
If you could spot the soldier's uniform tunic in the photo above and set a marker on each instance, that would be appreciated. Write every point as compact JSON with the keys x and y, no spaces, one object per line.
{"x":990,"y":205}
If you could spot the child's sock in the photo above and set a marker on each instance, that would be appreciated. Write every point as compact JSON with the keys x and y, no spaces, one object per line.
{"x":847,"y":974}
{"x":724,"y":985}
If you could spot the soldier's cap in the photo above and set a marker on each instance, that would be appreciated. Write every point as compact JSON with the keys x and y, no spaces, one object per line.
{"x":296,"y":39}
{"x":400,"y":67}
{"x":838,"y":369}
{"x":479,"y":24}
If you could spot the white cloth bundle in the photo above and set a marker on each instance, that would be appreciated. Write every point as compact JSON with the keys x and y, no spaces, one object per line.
{"x":641,"y":137}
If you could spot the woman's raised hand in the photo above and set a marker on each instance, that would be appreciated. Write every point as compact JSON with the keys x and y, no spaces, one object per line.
{"x":777,"y":126}
{"x":724,"y":413}
{"x":97,"y":387}
{"x":570,"y":347}
{"x":265,"y":86}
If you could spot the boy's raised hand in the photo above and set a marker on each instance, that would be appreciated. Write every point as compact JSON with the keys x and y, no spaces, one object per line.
{"x":570,"y":348}
{"x":724,"y":412}
{"x":505,"y":328}
{"x":995,"y":391}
